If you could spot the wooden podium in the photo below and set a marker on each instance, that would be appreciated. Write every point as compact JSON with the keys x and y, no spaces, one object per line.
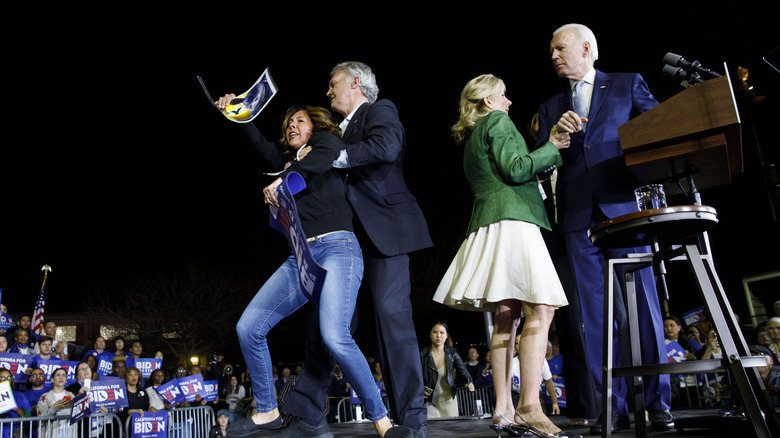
{"x":696,"y":132}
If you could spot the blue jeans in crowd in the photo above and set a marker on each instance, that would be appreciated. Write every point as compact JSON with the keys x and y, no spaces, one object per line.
{"x":280,"y":296}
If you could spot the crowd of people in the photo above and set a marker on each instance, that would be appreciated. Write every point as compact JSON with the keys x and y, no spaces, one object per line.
{"x":527,"y":259}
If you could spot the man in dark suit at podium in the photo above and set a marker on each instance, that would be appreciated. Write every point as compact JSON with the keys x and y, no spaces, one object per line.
{"x":594,"y":185}
{"x":389,"y":226}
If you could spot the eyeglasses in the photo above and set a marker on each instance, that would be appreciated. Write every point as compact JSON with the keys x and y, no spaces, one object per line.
{"x":4,"y":378}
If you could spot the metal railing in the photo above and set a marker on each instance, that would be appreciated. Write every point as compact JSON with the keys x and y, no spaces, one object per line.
{"x":96,"y":425}
{"x":189,"y":422}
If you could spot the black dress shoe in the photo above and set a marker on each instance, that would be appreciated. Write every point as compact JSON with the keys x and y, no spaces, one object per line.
{"x":662,"y":420}
{"x":619,"y":422}
{"x":300,"y":428}
{"x":247,"y":428}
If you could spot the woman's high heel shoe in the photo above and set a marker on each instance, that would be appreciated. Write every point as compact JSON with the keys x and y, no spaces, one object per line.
{"x":508,"y":429}
{"x":547,"y":424}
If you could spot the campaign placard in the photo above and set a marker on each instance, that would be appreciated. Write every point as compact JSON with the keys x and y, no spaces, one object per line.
{"x":150,"y":425}
{"x":7,"y":400}
{"x":80,"y":408}
{"x":108,"y":392}
{"x":50,"y":365}
{"x":285,"y":220}
{"x":105,"y":363}
{"x":147,"y":365}
{"x":212,"y":390}
{"x":171,"y":392}
{"x":6,"y":321}
{"x":192,"y":386}
{"x":17,"y":364}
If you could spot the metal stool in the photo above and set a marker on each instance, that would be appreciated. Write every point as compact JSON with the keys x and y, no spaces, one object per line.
{"x":663,"y":228}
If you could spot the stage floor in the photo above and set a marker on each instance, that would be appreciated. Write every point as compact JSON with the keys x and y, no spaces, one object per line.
{"x":479,"y":428}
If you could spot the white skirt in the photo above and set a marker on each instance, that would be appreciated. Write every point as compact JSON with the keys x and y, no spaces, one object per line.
{"x":502,"y":261}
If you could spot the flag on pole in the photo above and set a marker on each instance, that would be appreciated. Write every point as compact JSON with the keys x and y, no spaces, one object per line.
{"x":37,"y":319}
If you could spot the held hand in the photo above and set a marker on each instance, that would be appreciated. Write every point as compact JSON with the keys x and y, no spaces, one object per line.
{"x":570,"y":122}
{"x":561,"y":140}
{"x":556,"y":410}
{"x":303,"y":152}
{"x":269,"y":195}
{"x":224,"y":101}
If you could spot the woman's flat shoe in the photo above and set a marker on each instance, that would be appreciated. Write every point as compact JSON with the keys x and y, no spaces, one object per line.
{"x":247,"y":427}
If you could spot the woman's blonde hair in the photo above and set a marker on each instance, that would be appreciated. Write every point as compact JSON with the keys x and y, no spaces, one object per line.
{"x":472,"y":104}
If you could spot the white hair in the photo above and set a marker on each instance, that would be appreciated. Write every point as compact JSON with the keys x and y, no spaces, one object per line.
{"x":584,"y":35}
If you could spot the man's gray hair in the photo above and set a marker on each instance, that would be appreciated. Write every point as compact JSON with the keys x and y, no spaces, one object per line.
{"x":354,"y":69}
{"x":584,"y":34}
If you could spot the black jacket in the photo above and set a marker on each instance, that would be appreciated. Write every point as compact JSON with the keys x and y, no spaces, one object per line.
{"x":454,"y":364}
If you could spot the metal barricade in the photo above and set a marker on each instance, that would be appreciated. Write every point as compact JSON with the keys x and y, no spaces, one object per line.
{"x":189,"y":422}
{"x":97,"y":425}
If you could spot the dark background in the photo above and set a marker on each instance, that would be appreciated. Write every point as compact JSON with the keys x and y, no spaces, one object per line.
{"x":115,"y":167}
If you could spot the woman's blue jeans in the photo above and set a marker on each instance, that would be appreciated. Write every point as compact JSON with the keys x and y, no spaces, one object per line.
{"x":280,"y":296}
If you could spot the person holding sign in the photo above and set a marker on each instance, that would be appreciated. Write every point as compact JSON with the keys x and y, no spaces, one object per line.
{"x":22,"y":408}
{"x":57,"y":402}
{"x":309,"y":145}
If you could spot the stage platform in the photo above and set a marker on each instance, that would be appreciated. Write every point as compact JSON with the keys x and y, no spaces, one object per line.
{"x":479,"y":428}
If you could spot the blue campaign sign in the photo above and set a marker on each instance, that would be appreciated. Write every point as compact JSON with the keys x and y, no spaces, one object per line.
{"x":171,"y":392}
{"x":150,"y":425}
{"x":285,"y":220}
{"x":6,"y":321}
{"x":17,"y":364}
{"x":191,"y":387}
{"x":80,"y":408}
{"x":50,"y":365}
{"x":212,"y":390}
{"x":105,"y":362}
{"x":108,"y":392}
{"x":147,"y":365}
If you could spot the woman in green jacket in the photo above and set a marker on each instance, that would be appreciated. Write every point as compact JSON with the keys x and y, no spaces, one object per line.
{"x":503,"y":266}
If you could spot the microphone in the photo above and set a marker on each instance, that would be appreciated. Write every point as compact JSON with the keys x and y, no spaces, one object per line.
{"x":693,"y":67}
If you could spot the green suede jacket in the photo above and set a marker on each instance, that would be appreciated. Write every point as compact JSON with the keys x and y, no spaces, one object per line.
{"x":502,"y":173}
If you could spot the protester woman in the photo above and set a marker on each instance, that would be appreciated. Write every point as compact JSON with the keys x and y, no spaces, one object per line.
{"x":503,"y":266}
{"x":309,"y":145}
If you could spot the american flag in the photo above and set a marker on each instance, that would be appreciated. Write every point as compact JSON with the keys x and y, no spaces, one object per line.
{"x":37,"y":319}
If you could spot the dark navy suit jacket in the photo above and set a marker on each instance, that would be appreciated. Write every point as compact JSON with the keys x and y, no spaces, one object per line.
{"x":594,"y":166}
{"x":388,"y":212}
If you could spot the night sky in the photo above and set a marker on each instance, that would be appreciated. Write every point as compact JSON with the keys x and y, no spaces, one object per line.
{"x":114,"y":166}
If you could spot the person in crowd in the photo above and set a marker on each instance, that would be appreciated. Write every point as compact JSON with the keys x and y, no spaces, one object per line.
{"x":377,"y":372}
{"x":220,"y":429}
{"x":503,"y":265}
{"x":44,"y":346}
{"x":57,"y":401}
{"x":99,"y":347}
{"x":21,"y":342}
{"x":36,"y":387}
{"x":441,"y":366}
{"x":234,"y":393}
{"x":59,"y":348}
{"x":22,"y":408}
{"x":83,"y":379}
{"x":309,"y":145}
{"x":136,"y":352}
{"x":282,"y":379}
{"x":485,"y":376}
{"x":711,"y":348}
{"x":763,"y":338}
{"x":593,"y":185}
{"x":473,"y":365}
{"x":246,"y":382}
{"x":339,"y":386}
{"x":695,"y":338}
{"x":119,"y":367}
{"x":390,"y":225}
{"x":678,"y":348}
{"x":3,"y":344}
{"x":546,"y":379}
{"x":156,"y":379}
{"x":773,"y":327}
{"x":119,"y":346}
{"x":770,"y":373}
{"x":137,"y":397}
{"x":23,"y":322}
